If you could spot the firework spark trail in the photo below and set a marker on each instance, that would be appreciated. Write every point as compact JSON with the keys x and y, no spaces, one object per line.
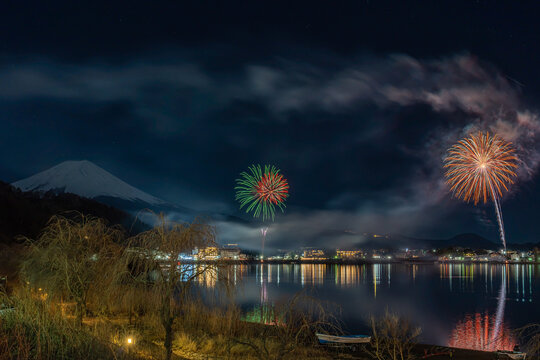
{"x":500,"y":221}
{"x":481,"y":167}
{"x":261,"y":192}
{"x":264,"y":230}
{"x":500,"y":308}
{"x":498,"y":212}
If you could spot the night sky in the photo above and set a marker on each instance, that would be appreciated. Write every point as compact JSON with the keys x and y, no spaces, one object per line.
{"x":355,"y":102}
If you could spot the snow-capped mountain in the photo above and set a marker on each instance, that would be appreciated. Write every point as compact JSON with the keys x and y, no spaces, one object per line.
{"x":86,"y":179}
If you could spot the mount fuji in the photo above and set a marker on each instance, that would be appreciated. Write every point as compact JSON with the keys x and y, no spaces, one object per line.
{"x":86,"y":179}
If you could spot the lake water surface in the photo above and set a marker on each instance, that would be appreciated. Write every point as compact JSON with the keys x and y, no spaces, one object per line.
{"x":463,"y":305}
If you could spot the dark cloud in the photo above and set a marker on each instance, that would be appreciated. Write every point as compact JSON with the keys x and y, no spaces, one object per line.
{"x":361,"y":141}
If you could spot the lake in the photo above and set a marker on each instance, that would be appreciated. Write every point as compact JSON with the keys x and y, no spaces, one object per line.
{"x":463,"y":305}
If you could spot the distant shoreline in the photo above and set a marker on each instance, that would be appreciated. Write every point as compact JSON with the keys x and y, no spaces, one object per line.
{"x":361,"y":262}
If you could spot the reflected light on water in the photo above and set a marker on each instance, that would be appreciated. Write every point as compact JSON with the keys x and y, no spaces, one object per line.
{"x":479,"y":332}
{"x":348,"y":275}
{"x":208,"y":277}
{"x":376,"y":278}
{"x":481,"y":301}
{"x":485,"y":332}
{"x":313,"y":274}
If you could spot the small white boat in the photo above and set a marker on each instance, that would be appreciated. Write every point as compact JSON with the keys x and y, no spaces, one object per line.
{"x":516,"y":355}
{"x":345,"y":339}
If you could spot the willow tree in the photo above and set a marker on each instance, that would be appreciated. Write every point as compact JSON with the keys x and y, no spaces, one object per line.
{"x":73,"y":257}
{"x":153,"y":265}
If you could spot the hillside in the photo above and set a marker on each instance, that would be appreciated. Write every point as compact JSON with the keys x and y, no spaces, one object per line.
{"x":466,"y":240}
{"x":26,"y":213}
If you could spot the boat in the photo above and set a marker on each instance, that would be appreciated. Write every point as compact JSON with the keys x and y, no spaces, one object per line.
{"x":516,"y":355}
{"x":344,"y":339}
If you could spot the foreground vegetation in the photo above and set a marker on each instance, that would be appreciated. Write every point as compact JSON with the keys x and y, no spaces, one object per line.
{"x":36,"y":328}
{"x":87,"y":291}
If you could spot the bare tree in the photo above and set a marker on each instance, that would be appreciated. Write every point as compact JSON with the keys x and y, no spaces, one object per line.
{"x":72,"y":257}
{"x":530,"y":337}
{"x":153,"y":266}
{"x":393,"y":338}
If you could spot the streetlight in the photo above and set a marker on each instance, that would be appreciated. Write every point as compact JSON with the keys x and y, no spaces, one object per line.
{"x":130,"y":342}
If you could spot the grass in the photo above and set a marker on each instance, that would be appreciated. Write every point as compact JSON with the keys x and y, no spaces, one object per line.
{"x":36,"y":329}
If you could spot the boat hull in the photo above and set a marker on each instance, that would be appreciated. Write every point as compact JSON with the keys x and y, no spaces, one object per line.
{"x":347,"y":339}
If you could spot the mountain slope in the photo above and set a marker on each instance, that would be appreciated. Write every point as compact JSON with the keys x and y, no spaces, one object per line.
{"x":468,"y":240}
{"x":26,"y":213}
{"x":85,"y":179}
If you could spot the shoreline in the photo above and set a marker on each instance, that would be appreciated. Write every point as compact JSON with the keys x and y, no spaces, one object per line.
{"x":358,"y":262}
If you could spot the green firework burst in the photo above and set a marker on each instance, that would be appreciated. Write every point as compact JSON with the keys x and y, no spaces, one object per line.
{"x":262,"y":192}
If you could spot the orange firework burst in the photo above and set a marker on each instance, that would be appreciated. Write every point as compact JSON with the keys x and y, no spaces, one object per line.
{"x":480,"y":167}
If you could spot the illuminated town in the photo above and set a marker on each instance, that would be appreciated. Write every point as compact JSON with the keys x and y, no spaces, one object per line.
{"x":229,"y":253}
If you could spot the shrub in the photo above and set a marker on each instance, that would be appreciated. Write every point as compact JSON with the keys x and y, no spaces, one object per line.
{"x":393,"y":338}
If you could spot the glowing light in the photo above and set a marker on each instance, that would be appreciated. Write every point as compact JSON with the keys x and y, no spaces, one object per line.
{"x":481,"y":167}
{"x":262,"y":191}
{"x":483,"y":331}
{"x":479,"y":332}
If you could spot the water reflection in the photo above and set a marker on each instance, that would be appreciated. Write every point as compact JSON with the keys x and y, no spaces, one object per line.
{"x":485,"y":332}
{"x":313,"y":274}
{"x":208,"y":277}
{"x":349,"y":275}
{"x":464,"y":305}
{"x":459,"y":277}
{"x":477,"y":332}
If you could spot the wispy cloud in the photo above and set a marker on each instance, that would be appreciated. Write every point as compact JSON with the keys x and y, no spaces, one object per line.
{"x":165,"y":95}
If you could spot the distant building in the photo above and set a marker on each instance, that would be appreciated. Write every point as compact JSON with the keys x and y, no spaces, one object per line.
{"x":410,"y":254}
{"x":494,"y":256}
{"x":160,"y":255}
{"x":291,"y":255}
{"x":348,"y":254}
{"x":313,"y":254}
{"x":208,"y":253}
{"x":229,"y":253}
{"x":513,"y":255}
{"x":187,"y":256}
